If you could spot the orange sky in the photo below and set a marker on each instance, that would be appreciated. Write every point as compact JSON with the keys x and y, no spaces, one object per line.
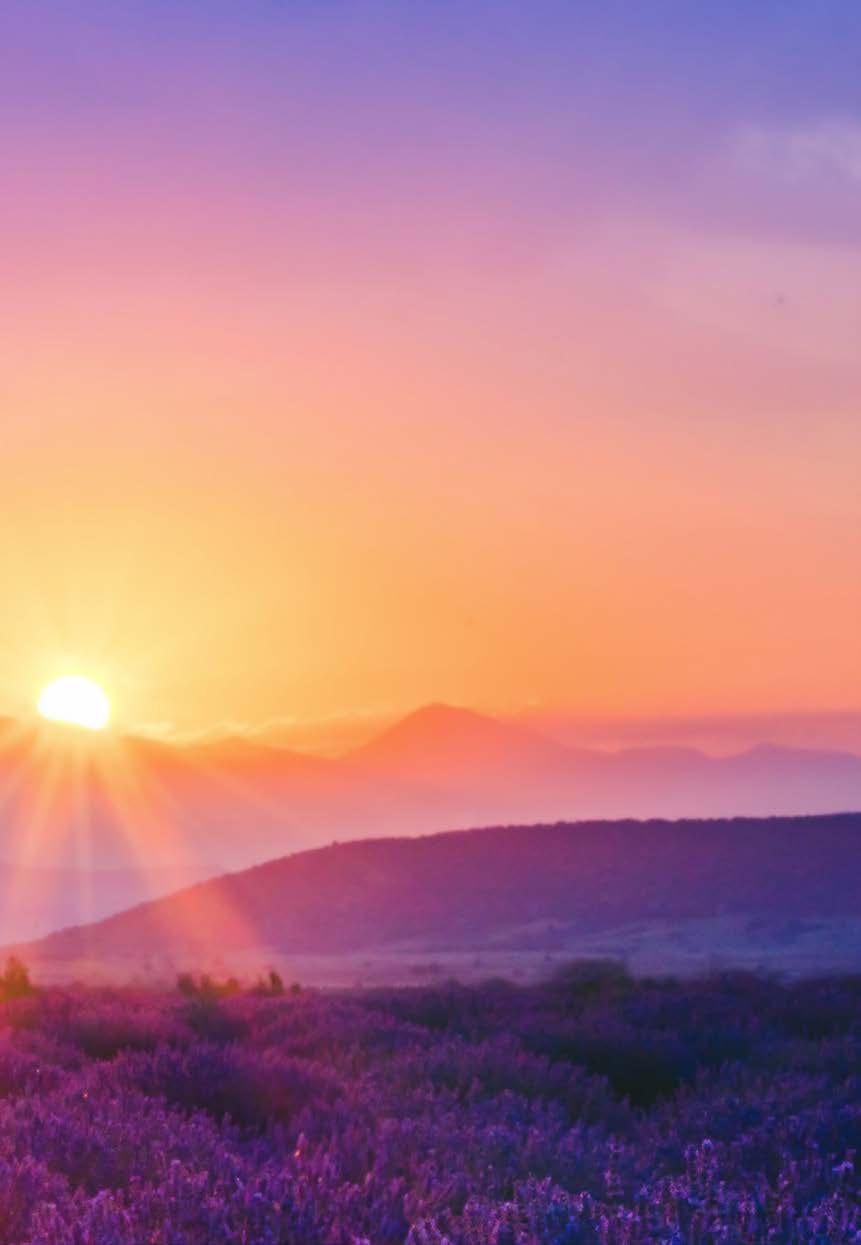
{"x":329,"y":418}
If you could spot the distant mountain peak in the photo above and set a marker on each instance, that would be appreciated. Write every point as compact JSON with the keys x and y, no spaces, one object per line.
{"x":438,"y":717}
{"x":441,"y":712}
{"x":440,"y":735}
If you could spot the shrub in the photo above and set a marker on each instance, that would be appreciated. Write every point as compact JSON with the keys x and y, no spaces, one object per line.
{"x":15,"y":981}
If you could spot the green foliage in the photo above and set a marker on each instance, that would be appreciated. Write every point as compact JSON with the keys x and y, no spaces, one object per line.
{"x":15,"y":981}
{"x":206,"y":988}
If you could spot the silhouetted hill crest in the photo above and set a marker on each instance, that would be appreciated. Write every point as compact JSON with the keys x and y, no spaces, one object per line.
{"x":468,"y":888}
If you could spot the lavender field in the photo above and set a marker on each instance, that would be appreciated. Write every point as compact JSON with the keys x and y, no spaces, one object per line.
{"x":591,"y":1109}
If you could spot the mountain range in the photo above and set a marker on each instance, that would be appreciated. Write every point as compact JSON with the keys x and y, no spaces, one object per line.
{"x":90,"y":824}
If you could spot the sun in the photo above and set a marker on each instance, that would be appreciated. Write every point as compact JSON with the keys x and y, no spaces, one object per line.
{"x":77,"y":701}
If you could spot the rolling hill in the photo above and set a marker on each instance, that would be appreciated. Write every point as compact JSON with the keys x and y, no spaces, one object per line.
{"x":522,"y":887}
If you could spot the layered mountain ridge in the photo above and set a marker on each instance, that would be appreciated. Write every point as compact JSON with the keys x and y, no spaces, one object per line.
{"x":124,"y":818}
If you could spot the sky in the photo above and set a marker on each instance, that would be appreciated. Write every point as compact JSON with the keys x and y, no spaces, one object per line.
{"x":358,"y":355}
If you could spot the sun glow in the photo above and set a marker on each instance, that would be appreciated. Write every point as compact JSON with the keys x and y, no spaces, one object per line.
{"x":76,"y":701}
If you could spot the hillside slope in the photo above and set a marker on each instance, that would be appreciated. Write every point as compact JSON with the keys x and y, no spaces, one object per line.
{"x":469,"y":889}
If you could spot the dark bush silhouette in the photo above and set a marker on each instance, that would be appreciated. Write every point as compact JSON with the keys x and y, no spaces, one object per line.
{"x":15,"y":981}
{"x":271,"y":985}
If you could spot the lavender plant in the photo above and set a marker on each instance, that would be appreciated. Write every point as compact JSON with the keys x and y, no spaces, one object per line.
{"x":725,"y":1111}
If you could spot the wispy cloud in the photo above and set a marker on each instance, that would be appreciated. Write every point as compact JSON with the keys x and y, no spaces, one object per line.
{"x":330,"y":734}
{"x":831,"y":146}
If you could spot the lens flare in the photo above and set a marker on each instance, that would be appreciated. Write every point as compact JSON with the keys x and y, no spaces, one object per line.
{"x":76,"y":701}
